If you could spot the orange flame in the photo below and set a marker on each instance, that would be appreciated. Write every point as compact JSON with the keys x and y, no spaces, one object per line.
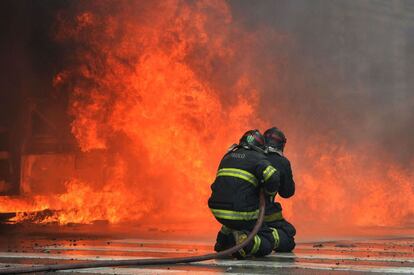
{"x":162,"y":125}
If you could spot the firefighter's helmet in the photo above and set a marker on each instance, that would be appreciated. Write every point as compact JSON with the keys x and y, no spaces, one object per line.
{"x":252,"y":138}
{"x":275,"y":138}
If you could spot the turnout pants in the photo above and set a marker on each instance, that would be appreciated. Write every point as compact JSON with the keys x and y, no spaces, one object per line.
{"x":285,"y":231}
{"x":235,"y":231}
{"x":285,"y":242}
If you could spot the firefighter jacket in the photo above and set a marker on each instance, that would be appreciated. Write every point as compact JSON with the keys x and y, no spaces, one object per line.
{"x":282,"y":164}
{"x":286,"y":187}
{"x":235,"y":191}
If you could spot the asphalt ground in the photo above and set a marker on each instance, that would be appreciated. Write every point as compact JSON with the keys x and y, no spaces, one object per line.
{"x":361,"y":256}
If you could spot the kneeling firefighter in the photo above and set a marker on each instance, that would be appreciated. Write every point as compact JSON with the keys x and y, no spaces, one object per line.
{"x":234,"y":201}
{"x":275,"y":143}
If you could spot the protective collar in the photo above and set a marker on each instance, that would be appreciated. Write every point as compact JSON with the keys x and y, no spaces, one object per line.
{"x":255,"y":148}
{"x":270,"y":149}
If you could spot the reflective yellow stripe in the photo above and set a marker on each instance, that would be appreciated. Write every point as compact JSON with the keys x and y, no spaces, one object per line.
{"x":235,"y":215}
{"x":225,"y":230}
{"x":238,"y":173}
{"x":240,"y":237}
{"x":242,"y":253}
{"x":275,"y":235}
{"x":274,"y":217}
{"x":256,"y":246}
{"x":268,"y":172}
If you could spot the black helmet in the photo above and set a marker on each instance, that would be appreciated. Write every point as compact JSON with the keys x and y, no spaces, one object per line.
{"x":252,"y":138}
{"x":275,"y":138}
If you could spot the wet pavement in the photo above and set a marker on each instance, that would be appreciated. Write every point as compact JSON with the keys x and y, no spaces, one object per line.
{"x":393,"y":256}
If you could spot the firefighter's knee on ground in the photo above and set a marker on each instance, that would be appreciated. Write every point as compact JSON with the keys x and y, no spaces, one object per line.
{"x":266,"y":247}
{"x":283,"y":242}
{"x":289,"y":229}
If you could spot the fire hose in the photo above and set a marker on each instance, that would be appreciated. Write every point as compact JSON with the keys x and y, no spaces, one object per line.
{"x":142,"y":262}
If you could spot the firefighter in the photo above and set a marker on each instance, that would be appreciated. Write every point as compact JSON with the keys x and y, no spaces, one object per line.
{"x":275,"y":143}
{"x":234,"y":201}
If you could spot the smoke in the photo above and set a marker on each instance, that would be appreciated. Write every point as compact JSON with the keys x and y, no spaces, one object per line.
{"x":348,"y":71}
{"x":344,"y":100}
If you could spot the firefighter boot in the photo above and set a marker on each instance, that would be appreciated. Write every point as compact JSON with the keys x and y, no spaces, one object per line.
{"x":225,"y":239}
{"x":239,"y":237}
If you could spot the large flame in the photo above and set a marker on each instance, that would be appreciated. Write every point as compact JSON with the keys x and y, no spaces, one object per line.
{"x":342,"y":190}
{"x":161,"y":89}
{"x":140,"y":92}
